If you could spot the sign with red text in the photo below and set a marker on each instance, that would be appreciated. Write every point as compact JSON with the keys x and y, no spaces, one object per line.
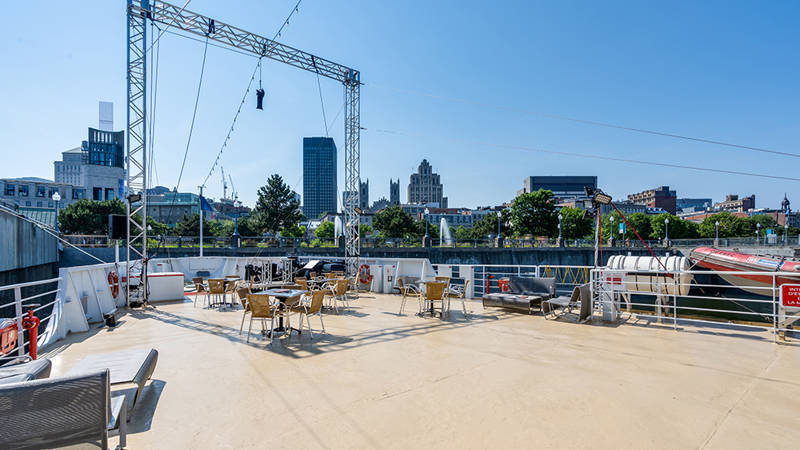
{"x":790,"y":295}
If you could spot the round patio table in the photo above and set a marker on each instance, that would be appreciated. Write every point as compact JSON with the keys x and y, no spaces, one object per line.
{"x":287,"y":299}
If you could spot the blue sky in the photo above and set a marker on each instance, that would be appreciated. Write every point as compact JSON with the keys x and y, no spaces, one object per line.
{"x":718,"y":70}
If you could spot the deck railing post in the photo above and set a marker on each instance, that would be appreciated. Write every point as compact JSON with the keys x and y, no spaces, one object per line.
{"x":18,"y":313}
{"x":774,"y":312}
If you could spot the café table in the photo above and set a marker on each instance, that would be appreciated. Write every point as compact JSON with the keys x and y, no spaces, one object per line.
{"x":287,"y":299}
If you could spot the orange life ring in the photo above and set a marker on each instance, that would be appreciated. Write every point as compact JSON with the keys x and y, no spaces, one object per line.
{"x":113,"y":283}
{"x":364,"y":276}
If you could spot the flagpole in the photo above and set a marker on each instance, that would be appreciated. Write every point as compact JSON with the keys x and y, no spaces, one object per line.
{"x":201,"y":221}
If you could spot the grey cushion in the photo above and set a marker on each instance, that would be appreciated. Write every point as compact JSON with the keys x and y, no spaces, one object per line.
{"x":32,"y":370}
{"x":532,"y":285}
{"x":512,"y":301}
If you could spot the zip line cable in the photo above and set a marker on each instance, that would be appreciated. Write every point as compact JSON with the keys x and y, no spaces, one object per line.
{"x":246,"y":92}
{"x":194,"y":114}
{"x":589,"y":122}
{"x":47,"y":229}
{"x":322,"y":103}
{"x":153,"y":97}
{"x":600,"y":157}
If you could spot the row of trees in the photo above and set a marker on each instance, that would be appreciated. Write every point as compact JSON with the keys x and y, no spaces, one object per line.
{"x":530,"y":215}
{"x":276,"y":210}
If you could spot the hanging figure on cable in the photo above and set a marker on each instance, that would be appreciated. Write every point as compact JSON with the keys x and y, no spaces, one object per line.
{"x":259,"y":91}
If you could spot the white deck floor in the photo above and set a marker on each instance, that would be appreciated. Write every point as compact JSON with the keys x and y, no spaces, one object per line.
{"x":499,"y":379}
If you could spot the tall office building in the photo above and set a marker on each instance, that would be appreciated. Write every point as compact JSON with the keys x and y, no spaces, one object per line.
{"x":319,"y":176}
{"x":394,"y":192}
{"x":426,"y":187}
{"x":97,"y":167}
{"x":660,"y":197}
{"x":563,"y":187}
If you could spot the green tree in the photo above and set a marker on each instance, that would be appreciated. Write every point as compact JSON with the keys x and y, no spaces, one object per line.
{"x":394,"y":222}
{"x":729,"y":226}
{"x":364,"y":230}
{"x":574,"y":225}
{"x":462,"y":233}
{"x":156,"y":228}
{"x":276,"y":206}
{"x":534,"y":213}
{"x":761,"y":219}
{"x":89,"y":216}
{"x":419,"y":230}
{"x":325,"y":230}
{"x":190,"y":226}
{"x":487,"y":225}
{"x":678,"y":228}
{"x":294,"y":231}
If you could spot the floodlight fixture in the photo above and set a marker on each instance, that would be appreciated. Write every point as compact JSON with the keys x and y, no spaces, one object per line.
{"x":602,"y":198}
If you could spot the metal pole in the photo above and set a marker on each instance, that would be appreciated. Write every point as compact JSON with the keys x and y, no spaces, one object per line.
{"x":201,"y":221}
{"x":597,"y":239}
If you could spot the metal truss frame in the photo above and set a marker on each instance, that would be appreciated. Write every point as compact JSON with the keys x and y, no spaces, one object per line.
{"x":139,"y":11}
{"x":136,"y":158}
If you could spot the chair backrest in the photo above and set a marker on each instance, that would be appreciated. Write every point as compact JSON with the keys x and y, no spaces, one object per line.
{"x":331,"y":275}
{"x":586,"y":302}
{"x":316,"y":302}
{"x":341,"y":287}
{"x":464,"y":291}
{"x":259,"y":305}
{"x":231,"y":276}
{"x":434,"y":290}
{"x":216,"y":285}
{"x":230,"y":286}
{"x":55,"y":412}
{"x":242,"y":294}
{"x":446,"y":280}
{"x":197,"y":280}
{"x":532,"y":285}
{"x":302,"y":282}
{"x":400,"y":282}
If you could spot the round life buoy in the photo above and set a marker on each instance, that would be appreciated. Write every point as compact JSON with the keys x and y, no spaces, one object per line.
{"x":364,"y":276}
{"x":113,"y":283}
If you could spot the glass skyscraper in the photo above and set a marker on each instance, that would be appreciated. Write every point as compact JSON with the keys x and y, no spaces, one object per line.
{"x":319,"y":176}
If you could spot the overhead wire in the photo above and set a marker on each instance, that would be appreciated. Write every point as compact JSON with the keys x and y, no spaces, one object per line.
{"x":161,"y":32}
{"x":589,"y":122}
{"x":322,"y":103}
{"x":246,"y":92}
{"x":600,"y":157}
{"x":194,"y":114}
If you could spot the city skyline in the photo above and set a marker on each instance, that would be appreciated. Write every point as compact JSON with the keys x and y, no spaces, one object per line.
{"x":711,"y":82}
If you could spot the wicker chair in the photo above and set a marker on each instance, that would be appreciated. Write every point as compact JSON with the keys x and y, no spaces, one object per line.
{"x":434,"y":292}
{"x":216,"y":288}
{"x":302,"y":282}
{"x":407,"y":291}
{"x":459,"y":292}
{"x":199,"y":288}
{"x":312,"y":308}
{"x":261,"y":308}
{"x":242,"y":293}
{"x":337,"y":292}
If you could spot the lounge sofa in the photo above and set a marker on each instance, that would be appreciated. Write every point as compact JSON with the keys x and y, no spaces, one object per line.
{"x":524,"y":294}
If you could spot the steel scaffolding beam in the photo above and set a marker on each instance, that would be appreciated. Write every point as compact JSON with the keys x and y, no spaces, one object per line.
{"x":175,"y":17}
{"x":136,"y":157}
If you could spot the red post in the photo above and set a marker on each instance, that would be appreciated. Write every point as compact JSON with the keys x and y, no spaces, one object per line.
{"x":31,"y":323}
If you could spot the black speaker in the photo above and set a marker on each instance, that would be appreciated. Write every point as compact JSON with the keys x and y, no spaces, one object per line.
{"x":117,"y":228}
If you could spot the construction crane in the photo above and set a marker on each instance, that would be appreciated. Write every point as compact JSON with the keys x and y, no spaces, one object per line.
{"x":234,"y":194}
{"x":142,"y":12}
{"x":224,"y":184}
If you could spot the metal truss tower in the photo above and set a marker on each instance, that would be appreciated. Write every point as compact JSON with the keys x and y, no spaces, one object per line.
{"x":171,"y":16}
{"x":136,"y":158}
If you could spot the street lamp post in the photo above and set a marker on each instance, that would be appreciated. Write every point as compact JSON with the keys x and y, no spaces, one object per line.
{"x":666,"y":231}
{"x":611,"y":232}
{"x":237,"y":204}
{"x":758,"y":232}
{"x":716,"y":233}
{"x":426,"y":240}
{"x":560,"y":218}
{"x":786,"y":233}
{"x":56,"y":199}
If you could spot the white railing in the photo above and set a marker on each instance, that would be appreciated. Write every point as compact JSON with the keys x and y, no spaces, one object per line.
{"x":14,"y":311}
{"x":693,"y":296}
{"x":490,"y":278}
